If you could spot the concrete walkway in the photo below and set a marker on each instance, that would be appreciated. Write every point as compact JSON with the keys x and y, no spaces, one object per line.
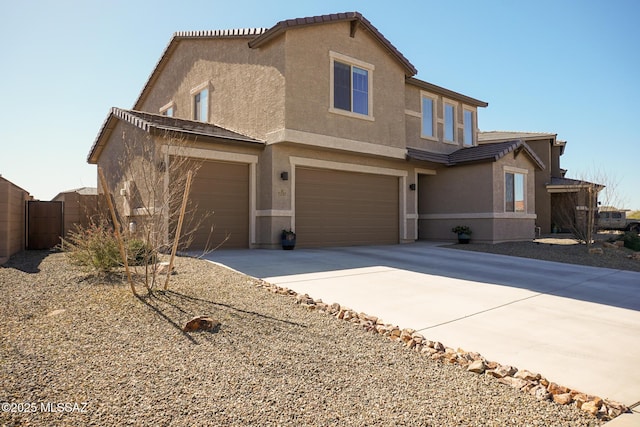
{"x":577,"y":326}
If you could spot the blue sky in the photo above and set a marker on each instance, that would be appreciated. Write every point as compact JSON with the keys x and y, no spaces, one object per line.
{"x":569,"y":67}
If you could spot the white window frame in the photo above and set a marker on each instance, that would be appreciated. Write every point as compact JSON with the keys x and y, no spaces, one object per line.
{"x":524,"y":173}
{"x":466,"y":143}
{"x":195,"y":91}
{"x":165,"y":108}
{"x":434,"y":109}
{"x":335,"y":56}
{"x":453,"y":104}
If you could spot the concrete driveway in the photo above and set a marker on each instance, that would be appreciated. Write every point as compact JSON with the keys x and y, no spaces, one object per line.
{"x":577,"y":326}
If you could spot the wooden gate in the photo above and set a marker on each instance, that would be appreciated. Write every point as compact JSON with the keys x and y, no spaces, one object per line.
{"x":44,"y":224}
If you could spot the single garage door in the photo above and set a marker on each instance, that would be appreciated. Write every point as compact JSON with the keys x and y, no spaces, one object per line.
{"x":220,"y":205}
{"x":336,"y":208}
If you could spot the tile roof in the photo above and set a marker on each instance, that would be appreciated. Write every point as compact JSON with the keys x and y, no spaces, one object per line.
{"x":477,"y":154}
{"x":157,"y":122}
{"x":285,"y":25}
{"x":568,"y":182}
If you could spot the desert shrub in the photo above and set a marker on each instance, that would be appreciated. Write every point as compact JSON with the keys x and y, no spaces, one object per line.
{"x":631,"y":241}
{"x":140,"y":252}
{"x":96,"y":248}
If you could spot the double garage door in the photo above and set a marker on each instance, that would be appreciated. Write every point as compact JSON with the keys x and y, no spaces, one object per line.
{"x":220,"y":206}
{"x":337,"y":208}
{"x":332,"y":208}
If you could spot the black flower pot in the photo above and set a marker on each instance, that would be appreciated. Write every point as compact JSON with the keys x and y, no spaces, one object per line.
{"x":463,"y":238}
{"x":288,"y":240}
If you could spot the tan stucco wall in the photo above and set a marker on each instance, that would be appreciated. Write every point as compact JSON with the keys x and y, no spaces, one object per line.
{"x":12,"y":219}
{"x":246,"y":90}
{"x":308,"y":86}
{"x":473,"y":195}
{"x":413,"y":121}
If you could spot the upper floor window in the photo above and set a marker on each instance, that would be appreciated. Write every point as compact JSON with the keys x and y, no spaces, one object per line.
{"x":168,"y":109}
{"x":469,"y":125}
{"x":428,"y":129}
{"x":449,"y":122}
{"x":514,"y":192}
{"x":201,"y":105}
{"x":200,"y":102}
{"x":351,"y":85}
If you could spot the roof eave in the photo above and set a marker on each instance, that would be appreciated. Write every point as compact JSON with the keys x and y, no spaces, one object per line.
{"x":283,"y":26}
{"x":446,"y":92}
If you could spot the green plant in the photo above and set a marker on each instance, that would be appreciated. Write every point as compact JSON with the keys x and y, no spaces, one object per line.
{"x":461,"y":229}
{"x":94,"y":246}
{"x":631,"y":241}
{"x":140,"y":252}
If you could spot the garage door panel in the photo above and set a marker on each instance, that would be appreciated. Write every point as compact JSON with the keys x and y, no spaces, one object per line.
{"x":220,"y":202}
{"x":336,"y":208}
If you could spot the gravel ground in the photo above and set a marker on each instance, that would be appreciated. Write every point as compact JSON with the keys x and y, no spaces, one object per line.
{"x":125,"y":360}
{"x":561,"y":249}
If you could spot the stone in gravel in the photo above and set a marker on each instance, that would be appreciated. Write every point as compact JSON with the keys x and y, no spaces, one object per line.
{"x":526,"y":375}
{"x":554,"y":389}
{"x":590,"y":407}
{"x":614,"y":409}
{"x":502,"y":371}
{"x":540,"y":392}
{"x":562,"y":399}
{"x":201,"y":323}
{"x":596,"y":251}
{"x":56,"y":312}
{"x":513,"y":382}
{"x":163,"y":268}
{"x":439,"y":346}
{"x":477,"y":366}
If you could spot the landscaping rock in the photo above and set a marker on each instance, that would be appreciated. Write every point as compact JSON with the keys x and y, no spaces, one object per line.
{"x":477,"y":366}
{"x":502,"y":371}
{"x":201,"y":323}
{"x":540,"y":392}
{"x":562,"y":399}
{"x":526,"y":375}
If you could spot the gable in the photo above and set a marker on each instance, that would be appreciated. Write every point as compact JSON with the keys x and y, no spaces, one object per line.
{"x":356,"y":22}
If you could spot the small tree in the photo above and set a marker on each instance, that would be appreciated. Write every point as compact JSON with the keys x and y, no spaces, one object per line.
{"x":148,"y":183}
{"x":576,"y":209}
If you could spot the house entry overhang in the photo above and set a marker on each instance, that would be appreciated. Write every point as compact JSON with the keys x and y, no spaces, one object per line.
{"x":478,"y":154}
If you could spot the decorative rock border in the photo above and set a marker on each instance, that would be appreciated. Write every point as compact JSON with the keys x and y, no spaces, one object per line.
{"x":521,"y":379}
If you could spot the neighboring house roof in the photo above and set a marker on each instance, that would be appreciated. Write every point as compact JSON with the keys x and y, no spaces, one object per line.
{"x":568,"y":183}
{"x":501,"y":135}
{"x":446,"y":92}
{"x":83,"y":191}
{"x":156,"y":122}
{"x":477,"y":154}
{"x":485,"y":137}
{"x":353,"y":17}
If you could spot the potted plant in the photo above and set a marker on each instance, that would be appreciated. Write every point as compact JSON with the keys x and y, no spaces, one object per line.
{"x":288,"y":239}
{"x":463,"y":232}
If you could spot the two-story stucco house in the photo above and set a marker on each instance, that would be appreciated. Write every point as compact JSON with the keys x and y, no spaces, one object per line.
{"x":319,"y":125}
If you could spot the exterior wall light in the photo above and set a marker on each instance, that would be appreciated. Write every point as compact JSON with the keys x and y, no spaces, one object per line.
{"x":412,"y":187}
{"x":284,"y":176}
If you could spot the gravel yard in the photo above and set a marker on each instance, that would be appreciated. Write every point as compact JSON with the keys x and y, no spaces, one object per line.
{"x":70,"y":338}
{"x":561,"y":249}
